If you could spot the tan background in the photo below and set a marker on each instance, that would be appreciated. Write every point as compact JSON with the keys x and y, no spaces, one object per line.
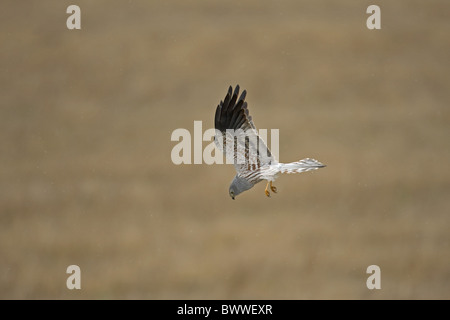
{"x":86,"y":176}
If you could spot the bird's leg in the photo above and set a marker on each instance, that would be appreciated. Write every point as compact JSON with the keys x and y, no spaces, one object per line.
{"x":267,"y":191}
{"x":273,"y":188}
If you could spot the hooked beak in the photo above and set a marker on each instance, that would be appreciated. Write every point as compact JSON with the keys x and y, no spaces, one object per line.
{"x":232,"y":198}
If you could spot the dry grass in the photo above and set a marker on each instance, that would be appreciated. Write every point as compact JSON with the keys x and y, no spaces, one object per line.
{"x":86,"y":176}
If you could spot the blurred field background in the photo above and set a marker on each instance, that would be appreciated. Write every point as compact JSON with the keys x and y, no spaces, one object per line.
{"x":86,"y":176}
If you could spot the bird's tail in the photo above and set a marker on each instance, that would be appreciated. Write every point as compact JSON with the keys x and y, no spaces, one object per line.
{"x":300,"y":166}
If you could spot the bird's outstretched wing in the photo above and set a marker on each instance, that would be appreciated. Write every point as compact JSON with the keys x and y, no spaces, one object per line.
{"x":237,"y":137}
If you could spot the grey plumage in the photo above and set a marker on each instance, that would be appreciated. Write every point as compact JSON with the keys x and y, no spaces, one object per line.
{"x":237,"y":137}
{"x":239,"y":185}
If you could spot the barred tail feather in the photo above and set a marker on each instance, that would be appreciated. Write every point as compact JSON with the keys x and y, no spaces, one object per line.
{"x":300,"y":166}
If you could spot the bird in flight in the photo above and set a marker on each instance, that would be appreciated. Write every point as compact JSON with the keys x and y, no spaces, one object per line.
{"x":236,"y":136}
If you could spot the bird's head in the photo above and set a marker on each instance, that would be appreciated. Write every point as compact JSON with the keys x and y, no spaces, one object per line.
{"x":238,"y":185}
{"x":233,"y":191}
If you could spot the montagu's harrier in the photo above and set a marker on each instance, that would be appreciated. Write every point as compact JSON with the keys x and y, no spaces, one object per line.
{"x":237,"y":137}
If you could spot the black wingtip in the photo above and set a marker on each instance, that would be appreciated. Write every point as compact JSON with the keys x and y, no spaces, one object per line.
{"x":232,"y":113}
{"x":243,"y":95}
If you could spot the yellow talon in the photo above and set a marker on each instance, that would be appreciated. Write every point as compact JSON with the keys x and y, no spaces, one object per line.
{"x":267,"y":191}
{"x":273,"y":188}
